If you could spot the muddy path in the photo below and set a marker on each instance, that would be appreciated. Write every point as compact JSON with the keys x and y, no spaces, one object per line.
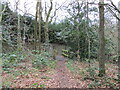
{"x":63,"y":76}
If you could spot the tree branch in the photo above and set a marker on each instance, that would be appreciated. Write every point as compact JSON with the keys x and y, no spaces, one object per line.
{"x":113,"y":13}
{"x":50,"y":9}
{"x":56,"y":11}
{"x":115,"y":7}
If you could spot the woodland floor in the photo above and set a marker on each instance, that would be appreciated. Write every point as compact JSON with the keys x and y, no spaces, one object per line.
{"x":60,"y":77}
{"x":64,"y":77}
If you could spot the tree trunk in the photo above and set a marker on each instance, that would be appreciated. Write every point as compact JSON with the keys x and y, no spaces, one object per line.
{"x":24,"y":31}
{"x":0,"y":44}
{"x":19,"y":41}
{"x":87,"y":32}
{"x":101,"y":39}
{"x":35,"y":28}
{"x":39,"y":20}
{"x":19,"y":34}
{"x":46,"y":33}
{"x":119,"y":44}
{"x":88,"y":37}
{"x":46,"y":23}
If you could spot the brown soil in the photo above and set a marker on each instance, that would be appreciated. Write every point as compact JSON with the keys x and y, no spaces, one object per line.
{"x":64,"y":77}
{"x":60,"y":77}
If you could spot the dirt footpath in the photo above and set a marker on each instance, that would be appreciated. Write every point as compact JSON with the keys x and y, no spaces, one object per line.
{"x":63,"y":76}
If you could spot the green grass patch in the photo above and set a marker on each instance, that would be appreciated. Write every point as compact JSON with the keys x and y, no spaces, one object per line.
{"x":70,"y":65}
{"x":37,"y":85}
{"x":45,"y":77}
{"x":52,"y":64}
{"x":74,"y":68}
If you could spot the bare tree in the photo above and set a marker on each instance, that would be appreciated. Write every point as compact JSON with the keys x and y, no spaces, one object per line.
{"x":24,"y":31}
{"x":87,"y":32}
{"x":19,"y":31}
{"x":114,"y":10}
{"x":39,"y":21}
{"x":47,"y":21}
{"x":119,"y":43}
{"x":19,"y":41}
{"x":35,"y":27}
{"x":101,"y":39}
{"x":49,"y":17}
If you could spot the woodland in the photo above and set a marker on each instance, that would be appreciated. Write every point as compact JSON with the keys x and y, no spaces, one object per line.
{"x":73,"y":44}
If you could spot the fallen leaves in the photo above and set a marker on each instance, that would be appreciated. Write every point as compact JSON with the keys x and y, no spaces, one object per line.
{"x":60,"y":77}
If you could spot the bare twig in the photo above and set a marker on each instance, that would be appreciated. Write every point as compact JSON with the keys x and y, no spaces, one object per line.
{"x":113,"y":13}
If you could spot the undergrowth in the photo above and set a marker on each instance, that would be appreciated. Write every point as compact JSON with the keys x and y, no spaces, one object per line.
{"x":14,"y":65}
{"x":11,"y":60}
{"x":70,"y":65}
{"x":91,"y":73}
{"x":43,"y":60}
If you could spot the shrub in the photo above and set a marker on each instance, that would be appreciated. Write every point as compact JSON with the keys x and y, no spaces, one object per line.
{"x":11,"y":59}
{"x":42,"y":60}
